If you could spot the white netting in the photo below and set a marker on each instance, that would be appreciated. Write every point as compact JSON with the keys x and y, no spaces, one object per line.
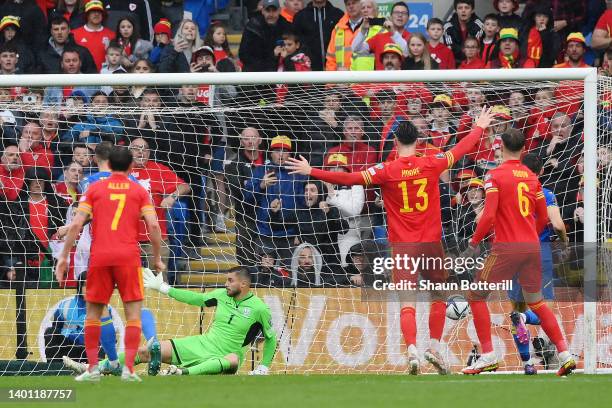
{"x":301,"y":239}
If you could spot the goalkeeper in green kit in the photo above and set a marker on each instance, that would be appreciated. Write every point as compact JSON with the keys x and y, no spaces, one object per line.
{"x":239,"y":317}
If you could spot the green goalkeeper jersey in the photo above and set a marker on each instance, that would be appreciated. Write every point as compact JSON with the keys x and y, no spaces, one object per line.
{"x":235,"y":323}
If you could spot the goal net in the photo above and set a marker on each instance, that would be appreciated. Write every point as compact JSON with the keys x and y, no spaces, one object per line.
{"x":211,"y":155}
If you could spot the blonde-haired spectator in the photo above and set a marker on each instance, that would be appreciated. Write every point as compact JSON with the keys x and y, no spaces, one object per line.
{"x":176,"y":57}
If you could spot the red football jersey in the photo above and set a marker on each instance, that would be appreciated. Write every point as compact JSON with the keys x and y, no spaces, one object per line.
{"x":514,"y":200}
{"x":378,"y":42}
{"x":605,"y":22}
{"x":115,"y":205}
{"x":410,"y":190}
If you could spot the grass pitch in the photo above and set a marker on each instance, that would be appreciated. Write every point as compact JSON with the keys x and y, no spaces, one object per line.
{"x":318,"y":391}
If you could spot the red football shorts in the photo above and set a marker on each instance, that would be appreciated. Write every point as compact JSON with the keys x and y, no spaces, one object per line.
{"x":101,"y":281}
{"x":526,"y":266}
{"x":425,"y":261}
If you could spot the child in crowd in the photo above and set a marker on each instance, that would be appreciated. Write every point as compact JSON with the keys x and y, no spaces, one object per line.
{"x":163,"y":35}
{"x":491,"y":33}
{"x":507,"y":17}
{"x":539,"y":40}
{"x":128,"y":37}
{"x":437,"y":49}
{"x":441,"y":131}
{"x":216,"y":38}
{"x":113,"y":59}
{"x":418,"y":54}
{"x":471,"y":50}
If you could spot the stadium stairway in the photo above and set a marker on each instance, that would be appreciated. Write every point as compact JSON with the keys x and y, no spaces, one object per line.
{"x":218,"y":256}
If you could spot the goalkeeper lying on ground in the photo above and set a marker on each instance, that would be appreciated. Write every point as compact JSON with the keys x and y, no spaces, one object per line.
{"x":239,"y":317}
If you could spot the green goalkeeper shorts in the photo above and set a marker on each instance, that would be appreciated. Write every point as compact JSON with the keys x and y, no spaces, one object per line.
{"x":193,"y":350}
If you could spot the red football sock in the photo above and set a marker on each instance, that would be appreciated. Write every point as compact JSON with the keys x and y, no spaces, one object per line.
{"x":408,"y":325}
{"x":482,"y":323}
{"x":549,"y":324}
{"x":437,"y":316}
{"x":92,"y":341}
{"x":131,"y":341}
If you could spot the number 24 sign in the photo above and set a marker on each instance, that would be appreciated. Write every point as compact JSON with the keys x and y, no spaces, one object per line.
{"x":420,"y":13}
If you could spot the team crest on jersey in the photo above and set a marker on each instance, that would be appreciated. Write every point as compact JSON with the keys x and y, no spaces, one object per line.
{"x":83,"y":198}
{"x":440,"y":156}
{"x":488,"y":185}
{"x":379,"y":166}
{"x":132,"y":6}
{"x":487,"y":177}
{"x":246,"y":311}
{"x":372,"y":170}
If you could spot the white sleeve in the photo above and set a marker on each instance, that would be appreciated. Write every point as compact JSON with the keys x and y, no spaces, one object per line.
{"x":349,"y":202}
{"x":360,"y":45}
{"x":399,"y":40}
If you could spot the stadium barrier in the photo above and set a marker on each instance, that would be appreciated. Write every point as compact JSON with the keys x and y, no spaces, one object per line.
{"x":321,"y":331}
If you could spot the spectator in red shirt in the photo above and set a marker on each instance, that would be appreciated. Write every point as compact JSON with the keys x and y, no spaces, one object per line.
{"x":33,"y":152}
{"x":539,"y":40}
{"x":471,"y":51}
{"x":68,"y":188}
{"x":359,"y":154}
{"x":395,"y":33}
{"x":437,"y":49}
{"x":11,"y":173}
{"x":49,"y":123}
{"x":483,"y":155}
{"x":44,"y":212}
{"x":507,"y":53}
{"x":538,"y":121}
{"x":490,"y":37}
{"x":568,"y":15}
{"x":476,"y":99}
{"x":13,"y":229}
{"x":93,"y":35}
{"x":601,"y":38}
{"x":165,"y":188}
{"x":216,"y":38}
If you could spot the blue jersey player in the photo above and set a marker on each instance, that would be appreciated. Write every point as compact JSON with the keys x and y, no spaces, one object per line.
{"x":521,"y":315}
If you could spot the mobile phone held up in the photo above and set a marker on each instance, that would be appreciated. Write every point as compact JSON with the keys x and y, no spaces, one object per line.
{"x":378,"y":21}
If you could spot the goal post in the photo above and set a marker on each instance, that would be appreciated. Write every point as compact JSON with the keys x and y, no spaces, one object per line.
{"x":307,"y":346}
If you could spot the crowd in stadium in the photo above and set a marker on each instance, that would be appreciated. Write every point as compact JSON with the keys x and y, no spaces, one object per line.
{"x":200,"y":167}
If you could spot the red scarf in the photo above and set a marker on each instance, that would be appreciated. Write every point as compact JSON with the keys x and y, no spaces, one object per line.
{"x":508,"y":62}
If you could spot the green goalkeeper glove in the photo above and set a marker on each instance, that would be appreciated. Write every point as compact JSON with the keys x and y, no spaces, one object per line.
{"x":155,"y":282}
